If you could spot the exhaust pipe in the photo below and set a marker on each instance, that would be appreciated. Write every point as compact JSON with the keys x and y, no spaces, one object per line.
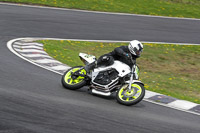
{"x":101,"y":93}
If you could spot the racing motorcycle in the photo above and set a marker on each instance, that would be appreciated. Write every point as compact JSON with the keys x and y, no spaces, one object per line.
{"x":106,"y":80}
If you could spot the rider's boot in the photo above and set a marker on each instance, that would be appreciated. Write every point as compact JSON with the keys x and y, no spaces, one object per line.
{"x":90,"y":66}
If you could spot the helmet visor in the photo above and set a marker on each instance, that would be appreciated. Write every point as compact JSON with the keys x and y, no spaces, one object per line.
{"x":138,"y":52}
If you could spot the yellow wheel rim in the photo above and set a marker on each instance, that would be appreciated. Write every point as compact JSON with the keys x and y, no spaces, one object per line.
{"x":68,"y":79}
{"x":135,"y":93}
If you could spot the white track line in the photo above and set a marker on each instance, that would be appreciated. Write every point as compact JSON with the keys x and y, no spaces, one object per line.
{"x":30,"y":50}
{"x":35,"y":39}
{"x":44,"y":61}
{"x":28,"y":44}
{"x":27,"y":47}
{"x":99,"y":12}
{"x":60,"y":67}
{"x":35,"y":55}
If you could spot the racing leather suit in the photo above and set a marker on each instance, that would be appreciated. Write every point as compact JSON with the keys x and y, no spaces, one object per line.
{"x":119,"y":53}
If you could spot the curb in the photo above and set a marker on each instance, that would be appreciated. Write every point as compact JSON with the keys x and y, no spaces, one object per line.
{"x":33,"y":52}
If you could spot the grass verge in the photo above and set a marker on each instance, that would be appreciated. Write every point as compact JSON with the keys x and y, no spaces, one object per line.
{"x":169,"y":69}
{"x":172,"y":8}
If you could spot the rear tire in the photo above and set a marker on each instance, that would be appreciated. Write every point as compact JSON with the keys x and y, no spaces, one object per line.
{"x":130,"y":98}
{"x":75,"y":84}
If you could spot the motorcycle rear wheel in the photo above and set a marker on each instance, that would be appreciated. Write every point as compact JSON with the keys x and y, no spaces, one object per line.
{"x":133,"y":97}
{"x":69,"y":82}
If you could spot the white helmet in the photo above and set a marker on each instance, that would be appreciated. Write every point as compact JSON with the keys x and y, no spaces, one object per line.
{"x":135,"y":47}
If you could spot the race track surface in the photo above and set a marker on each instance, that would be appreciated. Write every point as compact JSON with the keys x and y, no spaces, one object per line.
{"x":32,"y":99}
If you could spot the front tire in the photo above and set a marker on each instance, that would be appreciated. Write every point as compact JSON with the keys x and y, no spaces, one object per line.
{"x":69,"y":82}
{"x":133,"y":97}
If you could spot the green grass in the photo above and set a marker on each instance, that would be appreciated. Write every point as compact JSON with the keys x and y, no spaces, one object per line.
{"x":173,"y":8}
{"x":172,"y":70}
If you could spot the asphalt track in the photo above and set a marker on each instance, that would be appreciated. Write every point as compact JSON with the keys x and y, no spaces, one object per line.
{"x":32,"y":99}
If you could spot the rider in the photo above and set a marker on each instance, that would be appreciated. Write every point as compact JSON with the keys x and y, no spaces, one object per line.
{"x":122,"y":53}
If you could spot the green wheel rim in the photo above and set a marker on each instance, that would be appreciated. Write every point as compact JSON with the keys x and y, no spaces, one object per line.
{"x":68,"y":79}
{"x":127,"y":96}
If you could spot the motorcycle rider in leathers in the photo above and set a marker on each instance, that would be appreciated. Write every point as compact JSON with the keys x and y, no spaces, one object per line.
{"x":122,"y":53}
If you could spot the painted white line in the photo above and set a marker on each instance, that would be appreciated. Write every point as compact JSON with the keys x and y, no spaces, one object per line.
{"x":44,"y":61}
{"x":30,"y":50}
{"x":99,"y":12}
{"x":28,"y":44}
{"x":171,"y":43}
{"x":112,"y":41}
{"x":17,"y":46}
{"x":36,"y":55}
{"x":37,"y":44}
{"x":183,"y":104}
{"x":60,"y":67}
{"x":28,"y":47}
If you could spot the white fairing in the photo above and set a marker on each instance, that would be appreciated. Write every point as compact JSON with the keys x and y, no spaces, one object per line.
{"x":87,"y":58}
{"x":122,"y":68}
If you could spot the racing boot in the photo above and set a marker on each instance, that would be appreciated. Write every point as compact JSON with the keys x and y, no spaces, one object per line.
{"x":90,"y":66}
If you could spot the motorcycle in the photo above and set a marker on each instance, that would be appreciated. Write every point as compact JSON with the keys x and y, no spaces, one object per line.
{"x":106,"y":80}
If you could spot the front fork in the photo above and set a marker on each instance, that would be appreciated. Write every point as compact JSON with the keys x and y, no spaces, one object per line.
{"x":131,"y":78}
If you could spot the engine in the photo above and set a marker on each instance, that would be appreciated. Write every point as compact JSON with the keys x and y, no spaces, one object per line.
{"x":105,"y":80}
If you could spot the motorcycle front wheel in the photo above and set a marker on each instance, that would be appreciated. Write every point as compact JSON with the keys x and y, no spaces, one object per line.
{"x":126,"y":97}
{"x":71,"y":81}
